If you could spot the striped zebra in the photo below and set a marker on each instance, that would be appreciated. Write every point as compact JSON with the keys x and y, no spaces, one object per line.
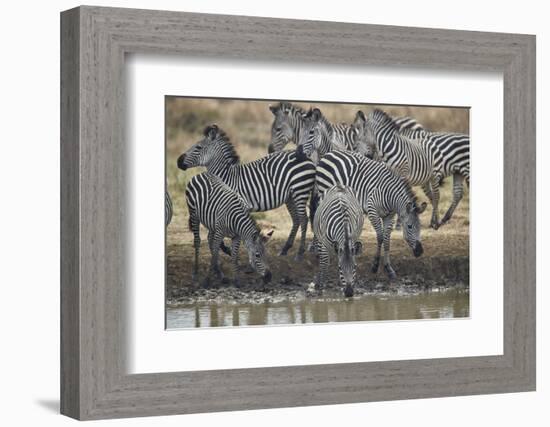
{"x":382,"y":194}
{"x":444,"y":153}
{"x":225,"y":214}
{"x":290,"y":121}
{"x":337,"y":225}
{"x":318,"y":137}
{"x":168,"y":209}
{"x":288,"y":125}
{"x":266,"y":183}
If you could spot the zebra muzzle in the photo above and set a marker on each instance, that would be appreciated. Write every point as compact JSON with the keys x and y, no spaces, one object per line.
{"x":300,"y":155}
{"x":267,"y":276}
{"x":181,"y":162}
{"x":418,"y":249}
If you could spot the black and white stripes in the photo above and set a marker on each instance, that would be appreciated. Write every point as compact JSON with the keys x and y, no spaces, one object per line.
{"x":424,"y":158}
{"x":265,"y":184}
{"x":381,"y":193}
{"x":225,"y":214}
{"x":338,"y":224}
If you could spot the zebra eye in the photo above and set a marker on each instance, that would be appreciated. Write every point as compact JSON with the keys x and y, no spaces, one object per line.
{"x":409,"y":226}
{"x":311,"y":132}
{"x":257,"y":255}
{"x":199,"y":147}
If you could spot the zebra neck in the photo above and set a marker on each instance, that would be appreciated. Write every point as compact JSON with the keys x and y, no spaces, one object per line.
{"x":222,"y":168}
{"x":385,"y":139}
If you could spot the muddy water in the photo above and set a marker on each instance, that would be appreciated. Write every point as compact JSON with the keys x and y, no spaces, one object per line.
{"x":427,"y":305}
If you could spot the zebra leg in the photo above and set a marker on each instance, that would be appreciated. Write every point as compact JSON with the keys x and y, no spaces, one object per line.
{"x":301,"y":215}
{"x":435,"y":203}
{"x":225,"y":249}
{"x":324,"y":261}
{"x":376,"y":224}
{"x":458,"y":192}
{"x":235,"y":244}
{"x":214,"y":241}
{"x":194,"y":225}
{"x":313,"y":204}
{"x":388,"y":227}
{"x":291,"y":206}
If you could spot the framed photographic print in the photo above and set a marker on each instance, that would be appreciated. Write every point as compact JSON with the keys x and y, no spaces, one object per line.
{"x":285,"y":214}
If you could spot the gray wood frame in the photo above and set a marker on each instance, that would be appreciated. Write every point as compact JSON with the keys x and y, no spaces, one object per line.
{"x":94,"y":41}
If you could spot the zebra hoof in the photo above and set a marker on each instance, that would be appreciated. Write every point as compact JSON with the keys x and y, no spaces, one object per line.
{"x":374,"y":268}
{"x":434,"y":225}
{"x":390,"y":272}
{"x":284,"y":251}
{"x":225,"y":281}
{"x":298,"y":257}
{"x":237,"y":283}
{"x":206,"y":283}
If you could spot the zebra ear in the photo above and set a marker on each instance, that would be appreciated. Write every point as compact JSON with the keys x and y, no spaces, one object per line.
{"x":422,"y":208}
{"x":316,"y":114}
{"x":211,"y":131}
{"x":360,"y":116}
{"x":274,"y":109}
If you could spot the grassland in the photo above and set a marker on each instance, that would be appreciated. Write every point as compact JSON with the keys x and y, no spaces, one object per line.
{"x":248,"y":123}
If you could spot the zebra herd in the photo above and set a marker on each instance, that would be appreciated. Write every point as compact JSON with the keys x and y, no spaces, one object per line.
{"x":346,"y":171}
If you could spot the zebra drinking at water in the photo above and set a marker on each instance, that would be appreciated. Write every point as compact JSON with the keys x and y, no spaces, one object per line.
{"x":225,"y":214}
{"x":424,"y":160}
{"x":337,"y":225}
{"x":381,"y":193}
{"x":265,"y":183}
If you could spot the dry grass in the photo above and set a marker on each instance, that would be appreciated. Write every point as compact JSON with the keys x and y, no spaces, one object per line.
{"x":248,"y":123}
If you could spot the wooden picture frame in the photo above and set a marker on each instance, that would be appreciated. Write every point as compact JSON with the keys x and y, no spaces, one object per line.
{"x":94,"y":41}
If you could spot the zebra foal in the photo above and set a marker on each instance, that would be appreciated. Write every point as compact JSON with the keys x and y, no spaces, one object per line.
{"x":225,"y":214}
{"x":381,"y":193}
{"x":337,"y":225}
{"x":265,"y":184}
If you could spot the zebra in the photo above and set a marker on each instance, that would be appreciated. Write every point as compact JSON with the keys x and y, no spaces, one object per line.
{"x":225,"y":214}
{"x":448,"y":153}
{"x":338,"y":224}
{"x":289,"y":120}
{"x":168,"y":209}
{"x":265,"y":184}
{"x":292,"y":123}
{"x":382,"y":194}
{"x":318,"y":136}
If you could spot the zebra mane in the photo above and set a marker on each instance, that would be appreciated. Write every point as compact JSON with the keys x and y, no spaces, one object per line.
{"x":219,"y":136}
{"x":383,"y":118}
{"x":408,"y":188}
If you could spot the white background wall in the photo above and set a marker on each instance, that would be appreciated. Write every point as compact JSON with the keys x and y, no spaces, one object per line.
{"x":29,"y":212}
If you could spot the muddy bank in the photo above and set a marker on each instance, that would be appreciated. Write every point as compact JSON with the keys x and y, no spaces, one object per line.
{"x":294,"y":282}
{"x":445,"y":265}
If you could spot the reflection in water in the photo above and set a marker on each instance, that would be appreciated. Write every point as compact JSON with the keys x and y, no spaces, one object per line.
{"x":448,"y":304}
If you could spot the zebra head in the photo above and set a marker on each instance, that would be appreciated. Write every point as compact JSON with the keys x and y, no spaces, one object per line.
{"x":284,"y":125}
{"x":255,"y":247}
{"x":347,"y":267}
{"x":410,"y":223}
{"x":366,"y":137}
{"x":214,"y":148}
{"x":311,"y":136}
